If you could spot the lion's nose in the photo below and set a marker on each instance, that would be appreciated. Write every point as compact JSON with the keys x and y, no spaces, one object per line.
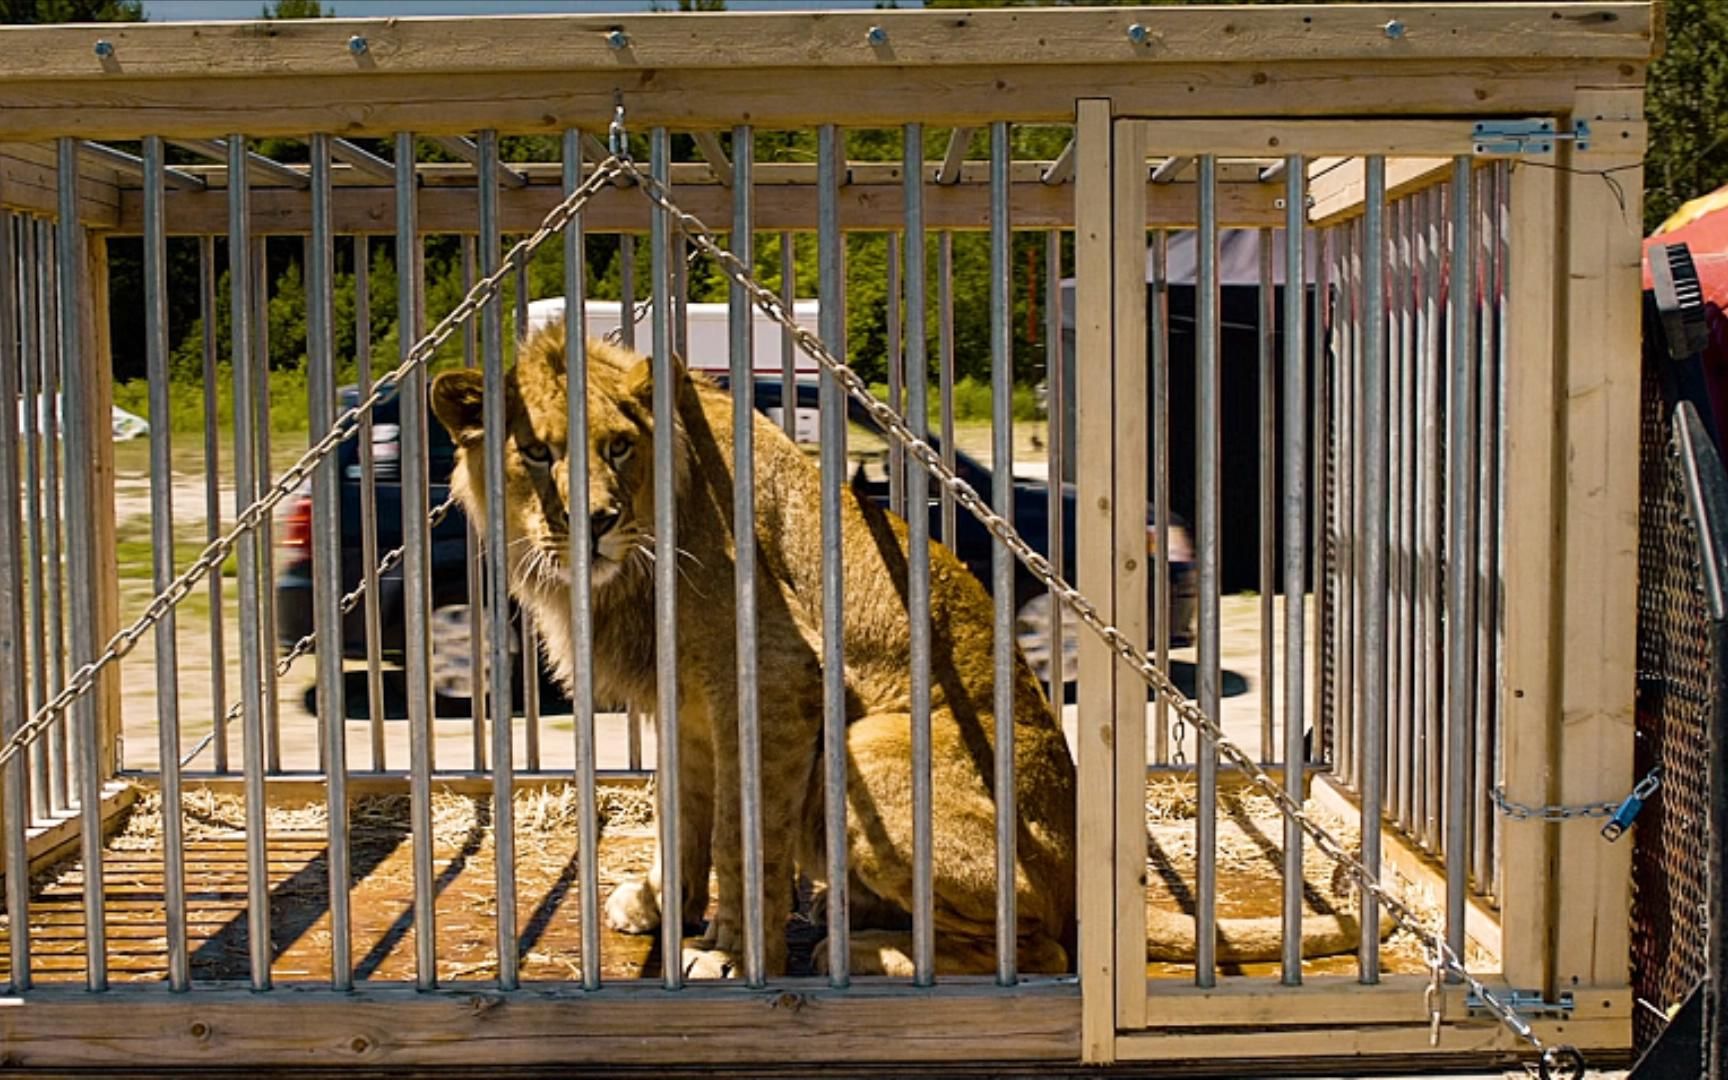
{"x":600,"y":523}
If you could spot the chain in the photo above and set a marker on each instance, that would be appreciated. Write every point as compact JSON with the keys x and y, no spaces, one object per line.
{"x":1517,"y":811}
{"x":486,"y":289}
{"x":1185,"y":709}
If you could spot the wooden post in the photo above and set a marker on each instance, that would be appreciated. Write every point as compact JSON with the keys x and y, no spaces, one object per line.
{"x":97,"y":397}
{"x":1603,"y":229}
{"x":1128,"y":459}
{"x":1095,"y":736}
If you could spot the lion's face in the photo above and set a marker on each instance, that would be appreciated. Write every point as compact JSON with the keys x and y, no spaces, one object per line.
{"x":616,"y":512}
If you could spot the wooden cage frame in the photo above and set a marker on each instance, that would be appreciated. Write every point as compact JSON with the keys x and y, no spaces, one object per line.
{"x":1251,"y":83}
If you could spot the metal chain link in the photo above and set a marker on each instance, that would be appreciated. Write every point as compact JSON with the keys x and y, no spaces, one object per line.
{"x":1517,"y":811}
{"x":82,"y":681}
{"x":1185,"y":709}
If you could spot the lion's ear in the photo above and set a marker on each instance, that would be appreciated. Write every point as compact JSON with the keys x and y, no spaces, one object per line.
{"x":639,"y":380}
{"x":458,"y":400}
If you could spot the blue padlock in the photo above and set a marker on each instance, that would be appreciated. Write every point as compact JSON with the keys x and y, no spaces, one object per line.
{"x":1627,"y":811}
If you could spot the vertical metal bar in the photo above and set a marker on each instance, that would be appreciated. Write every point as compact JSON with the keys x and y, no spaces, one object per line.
{"x":666,"y":762}
{"x":1056,"y":408}
{"x":1267,"y":401}
{"x":1206,"y":513}
{"x":1295,"y":451}
{"x":327,"y":557}
{"x":1502,"y":256}
{"x":581,"y":562}
{"x":81,"y":565}
{"x":896,"y":378}
{"x":266,"y":566}
{"x":1421,"y":749}
{"x":918,"y":561}
{"x":1001,"y":561}
{"x":832,"y":275}
{"x":14,"y":802}
{"x":374,"y":610}
{"x":1352,"y":468}
{"x":47,"y":245}
{"x":498,"y":567}
{"x":477,"y":632}
{"x":1320,"y":362}
{"x":1409,"y":418}
{"x":34,"y":642}
{"x":1431,"y":479}
{"x":1393,"y":646}
{"x":213,"y":495}
{"x":1482,"y":576}
{"x":945,"y":370}
{"x":680,"y":295}
{"x":416,"y":564}
{"x":1460,"y":439}
{"x":742,"y":347}
{"x":1373,"y":719}
{"x":530,"y":636}
{"x":1163,"y":604}
{"x":627,"y":290}
{"x":788,"y":353}
{"x":162,"y":562}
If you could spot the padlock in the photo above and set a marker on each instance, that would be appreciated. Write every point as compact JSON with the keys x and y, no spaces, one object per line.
{"x":1623,"y":817}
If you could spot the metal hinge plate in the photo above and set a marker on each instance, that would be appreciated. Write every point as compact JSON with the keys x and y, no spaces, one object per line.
{"x":1528,"y":1003}
{"x":1518,"y":137}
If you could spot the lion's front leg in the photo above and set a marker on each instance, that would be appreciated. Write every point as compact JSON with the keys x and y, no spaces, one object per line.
{"x":636,"y":907}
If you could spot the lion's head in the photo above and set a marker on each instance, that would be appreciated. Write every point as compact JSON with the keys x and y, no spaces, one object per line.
{"x":618,"y":509}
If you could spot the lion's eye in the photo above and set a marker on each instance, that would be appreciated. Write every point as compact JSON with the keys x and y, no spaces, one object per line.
{"x":536,"y":454}
{"x":619,"y":448}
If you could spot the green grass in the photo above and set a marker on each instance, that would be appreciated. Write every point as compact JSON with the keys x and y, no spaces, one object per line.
{"x":972,"y":401}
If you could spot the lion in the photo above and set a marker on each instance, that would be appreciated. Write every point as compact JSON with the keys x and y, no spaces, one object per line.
{"x":619,"y":512}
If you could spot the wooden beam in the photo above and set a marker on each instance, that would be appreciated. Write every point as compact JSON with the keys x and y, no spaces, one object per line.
{"x":1094,"y":320}
{"x":291,"y":789}
{"x":799,"y":1022}
{"x":132,"y":166}
{"x":708,"y":145}
{"x":1404,"y":1047}
{"x":1339,"y":191}
{"x":1062,"y":169}
{"x":463,"y":147}
{"x":915,"y":39}
{"x":954,"y":157}
{"x":1167,"y":170}
{"x":362,"y":160}
{"x":98,"y":400}
{"x":870,"y":207}
{"x":1405,"y":137}
{"x":688,"y":99}
{"x":29,"y":183}
{"x":50,"y":842}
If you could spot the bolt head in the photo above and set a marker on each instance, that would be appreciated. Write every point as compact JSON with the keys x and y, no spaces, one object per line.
{"x":1394,"y":29}
{"x":877,"y":36}
{"x":357,"y":45}
{"x":617,"y":39}
{"x":1138,"y":34}
{"x":104,"y":49}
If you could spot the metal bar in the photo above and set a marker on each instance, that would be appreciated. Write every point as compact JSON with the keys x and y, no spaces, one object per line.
{"x":680,"y":296}
{"x":167,"y":664}
{"x":477,"y":632}
{"x":34,"y":642}
{"x":465,"y":149}
{"x":1001,"y":560}
{"x":1206,"y":513}
{"x":945,"y":370}
{"x":1430,"y":478}
{"x":708,"y":145}
{"x":581,"y":566}
{"x":1482,"y":577}
{"x":788,"y":352}
{"x":47,"y":247}
{"x":374,"y":613}
{"x":1397,"y":750}
{"x":918,"y":563}
{"x":667,"y":756}
{"x":1295,"y":452}
{"x":954,"y":157}
{"x":266,"y":564}
{"x":627,"y":289}
{"x":1056,"y":407}
{"x":1350,"y":420}
{"x":1374,"y":546}
{"x":1062,"y":169}
{"x":832,"y":274}
{"x":1461,"y":425}
{"x":416,"y":566}
{"x":1503,"y":347}
{"x":896,"y":378}
{"x":327,"y":558}
{"x":14,"y":793}
{"x":1162,"y":602}
{"x":362,"y":160}
{"x":1268,"y":327}
{"x":81,"y":563}
{"x":213,"y":495}
{"x":744,"y":530}
{"x":1167,"y":170}
{"x":1405,"y":522}
{"x":133,"y":165}
{"x":1319,"y":360}
{"x":253,"y":163}
{"x":529,"y":634}
{"x":498,"y":568}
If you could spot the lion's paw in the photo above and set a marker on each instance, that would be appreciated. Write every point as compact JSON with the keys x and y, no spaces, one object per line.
{"x":633,"y":908}
{"x":711,"y":964}
{"x":724,"y":933}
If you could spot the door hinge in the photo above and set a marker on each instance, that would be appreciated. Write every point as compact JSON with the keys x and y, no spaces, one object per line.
{"x":1528,"y":1003}
{"x":1537,"y":136}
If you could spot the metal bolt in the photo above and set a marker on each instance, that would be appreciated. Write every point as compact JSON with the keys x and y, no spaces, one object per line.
{"x":357,"y":45}
{"x":877,"y":36}
{"x":618,"y":39}
{"x":1138,"y":34}
{"x":104,"y":48}
{"x":1394,"y":29}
